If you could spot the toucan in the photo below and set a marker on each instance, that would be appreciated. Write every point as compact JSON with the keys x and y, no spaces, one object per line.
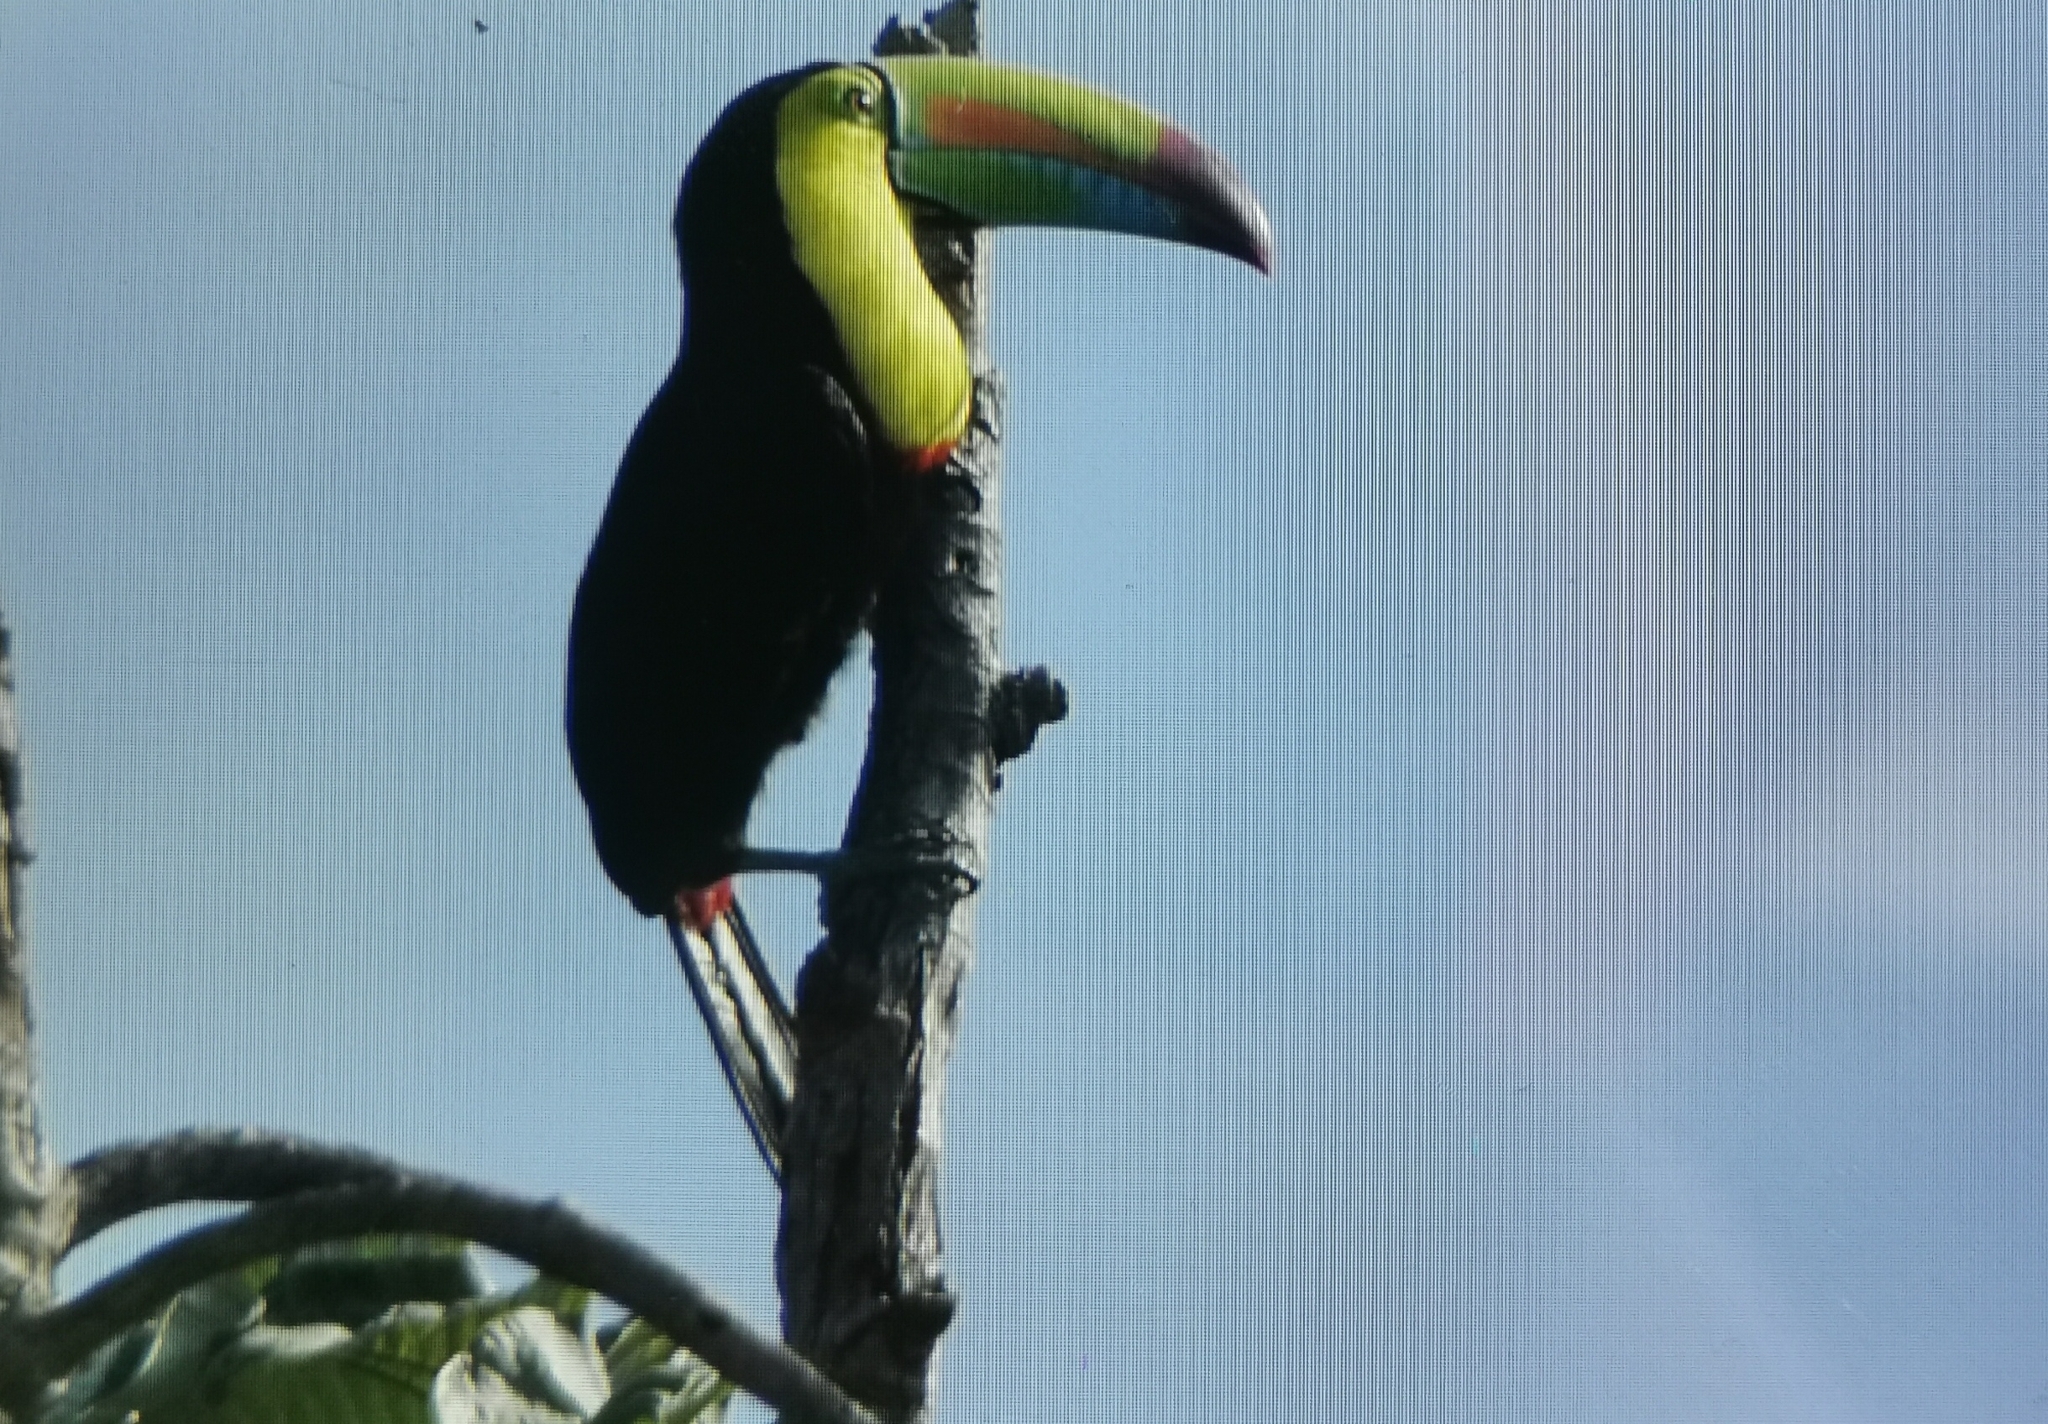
{"x":820,"y":378}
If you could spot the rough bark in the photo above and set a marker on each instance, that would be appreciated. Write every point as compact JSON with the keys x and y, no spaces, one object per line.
{"x":859,"y":1255}
{"x":34,"y":1195}
{"x":235,"y":1164}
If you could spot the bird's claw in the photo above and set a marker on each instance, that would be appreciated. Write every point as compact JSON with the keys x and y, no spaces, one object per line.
{"x":922,"y":852}
{"x":930,"y":851}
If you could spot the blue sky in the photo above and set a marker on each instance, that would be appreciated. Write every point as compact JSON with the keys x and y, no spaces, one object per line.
{"x":1539,"y":910}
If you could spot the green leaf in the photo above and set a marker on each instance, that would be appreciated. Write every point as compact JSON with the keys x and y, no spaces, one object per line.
{"x":535,"y":1352}
{"x":353,"y":1285}
{"x":654,"y":1382}
{"x":341,"y":1335}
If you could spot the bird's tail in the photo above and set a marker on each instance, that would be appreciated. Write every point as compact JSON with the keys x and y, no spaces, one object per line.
{"x":750,"y":1024}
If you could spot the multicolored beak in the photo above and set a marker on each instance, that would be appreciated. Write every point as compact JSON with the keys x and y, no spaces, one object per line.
{"x":1008,"y":147}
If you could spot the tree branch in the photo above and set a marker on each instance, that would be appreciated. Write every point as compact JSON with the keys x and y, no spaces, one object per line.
{"x":376,"y":1197}
{"x":858,"y":1256}
{"x":213,"y":1165}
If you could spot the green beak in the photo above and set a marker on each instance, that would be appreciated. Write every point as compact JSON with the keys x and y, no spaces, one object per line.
{"x":1005,"y":147}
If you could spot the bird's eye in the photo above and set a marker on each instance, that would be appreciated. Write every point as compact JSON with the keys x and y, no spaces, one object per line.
{"x":860,"y":101}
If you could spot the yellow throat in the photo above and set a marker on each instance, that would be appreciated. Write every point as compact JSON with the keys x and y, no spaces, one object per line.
{"x":852,"y":241}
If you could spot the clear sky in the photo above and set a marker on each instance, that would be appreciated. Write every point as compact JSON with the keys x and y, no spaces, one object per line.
{"x":1541,"y":909}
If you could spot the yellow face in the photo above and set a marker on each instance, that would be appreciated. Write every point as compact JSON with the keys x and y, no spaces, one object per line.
{"x":852,"y":241}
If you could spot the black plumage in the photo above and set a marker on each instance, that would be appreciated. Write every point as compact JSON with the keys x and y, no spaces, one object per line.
{"x":753,"y":518}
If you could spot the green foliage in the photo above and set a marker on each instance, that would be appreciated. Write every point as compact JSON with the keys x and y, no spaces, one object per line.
{"x":389,"y":1330}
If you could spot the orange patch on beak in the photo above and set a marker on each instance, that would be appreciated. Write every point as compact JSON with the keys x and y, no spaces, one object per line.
{"x":929,"y":460}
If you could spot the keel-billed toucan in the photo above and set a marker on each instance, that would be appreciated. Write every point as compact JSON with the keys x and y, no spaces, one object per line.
{"x":820,"y":378}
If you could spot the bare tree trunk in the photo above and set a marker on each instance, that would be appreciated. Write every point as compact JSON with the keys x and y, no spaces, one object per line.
{"x":859,"y":1256}
{"x":35,"y":1201}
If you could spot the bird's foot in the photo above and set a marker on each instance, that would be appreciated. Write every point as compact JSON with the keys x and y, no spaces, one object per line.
{"x":919,"y":853}
{"x":928,"y":851}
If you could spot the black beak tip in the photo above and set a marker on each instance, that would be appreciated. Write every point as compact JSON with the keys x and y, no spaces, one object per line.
{"x":1218,"y":203}
{"x":1259,"y":251}
{"x":1237,"y":227}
